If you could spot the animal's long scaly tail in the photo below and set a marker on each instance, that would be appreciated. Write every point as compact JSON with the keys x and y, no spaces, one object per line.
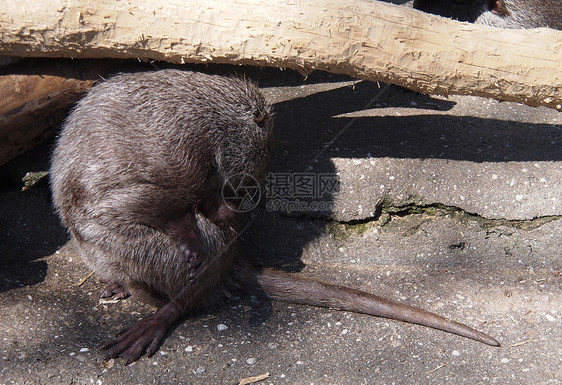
{"x":289,"y":287}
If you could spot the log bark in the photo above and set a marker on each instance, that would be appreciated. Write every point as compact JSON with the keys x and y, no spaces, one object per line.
{"x":35,"y":98}
{"x":362,"y":38}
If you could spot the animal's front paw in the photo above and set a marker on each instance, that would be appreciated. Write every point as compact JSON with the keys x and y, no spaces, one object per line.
{"x":193,"y":260}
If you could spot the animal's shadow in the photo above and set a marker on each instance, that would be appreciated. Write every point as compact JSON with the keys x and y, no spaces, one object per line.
{"x":310,"y":131}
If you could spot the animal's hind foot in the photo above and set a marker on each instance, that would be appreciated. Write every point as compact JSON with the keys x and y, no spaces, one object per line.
{"x":145,"y":336}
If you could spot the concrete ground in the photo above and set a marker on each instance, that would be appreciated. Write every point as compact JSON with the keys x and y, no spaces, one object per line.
{"x":452,"y":205}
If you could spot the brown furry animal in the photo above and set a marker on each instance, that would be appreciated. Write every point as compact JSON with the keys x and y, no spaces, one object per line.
{"x":137,"y":176}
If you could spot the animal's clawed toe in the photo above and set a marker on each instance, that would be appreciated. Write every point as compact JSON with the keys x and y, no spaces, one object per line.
{"x":114,"y":290}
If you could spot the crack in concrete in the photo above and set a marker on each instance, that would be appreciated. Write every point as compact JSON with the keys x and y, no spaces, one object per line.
{"x":386,"y":211}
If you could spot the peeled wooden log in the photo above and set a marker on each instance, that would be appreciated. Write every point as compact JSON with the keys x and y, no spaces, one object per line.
{"x":362,"y":38}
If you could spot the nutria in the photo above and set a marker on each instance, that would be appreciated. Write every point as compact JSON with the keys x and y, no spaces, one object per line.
{"x":138,"y":176}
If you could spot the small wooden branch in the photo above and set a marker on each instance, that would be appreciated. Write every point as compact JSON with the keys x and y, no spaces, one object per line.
{"x":362,"y":38}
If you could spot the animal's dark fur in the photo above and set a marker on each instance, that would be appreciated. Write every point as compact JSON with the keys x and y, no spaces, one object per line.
{"x":137,"y":177}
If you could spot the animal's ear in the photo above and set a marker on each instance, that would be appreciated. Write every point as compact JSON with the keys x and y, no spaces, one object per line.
{"x":497,"y":7}
{"x":261,"y":118}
